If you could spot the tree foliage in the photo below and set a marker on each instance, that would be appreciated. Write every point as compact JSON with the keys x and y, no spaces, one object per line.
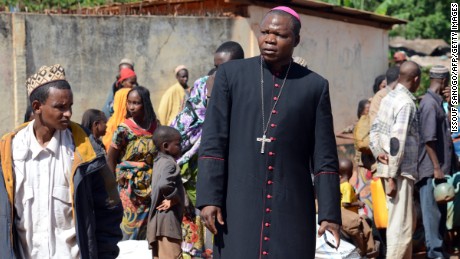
{"x":368,"y":5}
{"x":427,"y":19}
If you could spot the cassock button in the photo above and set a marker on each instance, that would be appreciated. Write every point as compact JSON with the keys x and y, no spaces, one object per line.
{"x":265,"y":253}
{"x":273,"y":125}
{"x":267,"y":224}
{"x":269,"y":182}
{"x":270,"y":168}
{"x":266,"y":238}
{"x":274,"y":112}
{"x":275,"y":98}
{"x":271,"y":153}
{"x":277,"y":85}
{"x":268,"y":210}
{"x":269,"y":196}
{"x":272,"y":138}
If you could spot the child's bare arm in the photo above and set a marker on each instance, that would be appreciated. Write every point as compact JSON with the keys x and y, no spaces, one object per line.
{"x":346,"y":204}
{"x":358,"y":204}
{"x":165,"y":205}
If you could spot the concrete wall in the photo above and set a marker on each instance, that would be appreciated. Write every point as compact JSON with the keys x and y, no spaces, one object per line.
{"x":90,"y":47}
{"x":6,"y":73}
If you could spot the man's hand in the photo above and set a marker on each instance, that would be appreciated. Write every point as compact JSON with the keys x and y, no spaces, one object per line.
{"x":333,"y":228}
{"x":208,"y":215}
{"x":438,"y":173}
{"x":392,"y":188}
{"x":431,"y":151}
{"x":361,"y":204}
{"x":383,"y":158}
{"x":446,"y":95}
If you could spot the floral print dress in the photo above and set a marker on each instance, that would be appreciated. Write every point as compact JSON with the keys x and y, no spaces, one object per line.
{"x":189,"y":123}
{"x":134,"y":176}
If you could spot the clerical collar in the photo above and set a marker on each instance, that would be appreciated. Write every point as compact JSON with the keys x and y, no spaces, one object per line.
{"x":278,"y":74}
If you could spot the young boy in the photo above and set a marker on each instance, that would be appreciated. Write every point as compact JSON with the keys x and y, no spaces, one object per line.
{"x":164,"y":232}
{"x":349,"y":200}
{"x":352,"y":224}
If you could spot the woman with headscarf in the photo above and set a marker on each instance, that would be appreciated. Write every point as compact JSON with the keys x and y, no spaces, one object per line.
{"x":127,"y":80}
{"x":363,"y":159}
{"x":108,"y":105}
{"x":130,"y":156}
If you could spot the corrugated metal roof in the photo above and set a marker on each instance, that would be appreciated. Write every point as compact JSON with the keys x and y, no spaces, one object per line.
{"x":426,"y":47}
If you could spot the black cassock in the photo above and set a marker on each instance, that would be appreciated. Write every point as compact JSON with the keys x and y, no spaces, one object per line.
{"x":268,"y":199}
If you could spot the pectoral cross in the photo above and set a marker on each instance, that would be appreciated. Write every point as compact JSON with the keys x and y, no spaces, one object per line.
{"x":263,"y":139}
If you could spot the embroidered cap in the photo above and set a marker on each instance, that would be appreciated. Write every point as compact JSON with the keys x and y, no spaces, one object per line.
{"x":45,"y":75}
{"x":439,"y":71}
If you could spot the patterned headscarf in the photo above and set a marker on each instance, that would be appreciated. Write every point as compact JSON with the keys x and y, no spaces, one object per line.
{"x":189,"y":122}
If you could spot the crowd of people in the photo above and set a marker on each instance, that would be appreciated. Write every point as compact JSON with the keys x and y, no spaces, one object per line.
{"x":246,"y":156}
{"x":406,"y":154}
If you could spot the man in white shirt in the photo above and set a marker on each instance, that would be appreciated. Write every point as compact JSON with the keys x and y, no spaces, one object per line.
{"x":57,"y":195}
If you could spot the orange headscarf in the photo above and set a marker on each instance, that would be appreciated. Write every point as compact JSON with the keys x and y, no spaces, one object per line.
{"x":119,"y":114}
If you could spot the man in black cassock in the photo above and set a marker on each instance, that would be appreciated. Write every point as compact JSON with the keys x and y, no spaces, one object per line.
{"x":268,"y":127}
